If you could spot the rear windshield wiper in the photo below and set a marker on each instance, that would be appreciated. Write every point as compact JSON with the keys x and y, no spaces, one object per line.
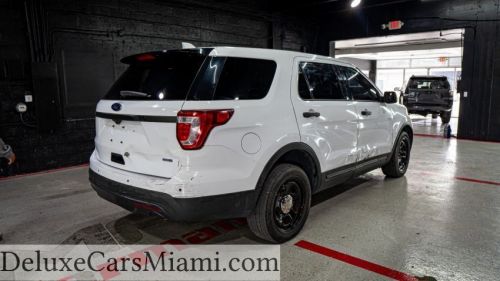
{"x":134,"y":94}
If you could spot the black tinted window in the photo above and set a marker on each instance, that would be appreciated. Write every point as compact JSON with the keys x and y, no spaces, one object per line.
{"x":206,"y":82}
{"x":245,"y":79}
{"x":319,"y":81}
{"x":167,"y":77}
{"x":358,"y":86}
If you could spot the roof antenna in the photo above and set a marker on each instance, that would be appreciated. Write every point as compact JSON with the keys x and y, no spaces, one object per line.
{"x":186,"y":45}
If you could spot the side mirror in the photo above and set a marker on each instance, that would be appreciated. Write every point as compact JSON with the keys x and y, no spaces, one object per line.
{"x":390,"y":97}
{"x":397,"y":89}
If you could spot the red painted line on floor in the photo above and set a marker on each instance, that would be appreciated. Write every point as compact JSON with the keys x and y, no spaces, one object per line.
{"x":478,"y":181}
{"x":457,"y":177}
{"x":43,"y":172}
{"x":486,"y":141}
{"x":429,"y":136}
{"x":462,"y":139}
{"x":373,"y":267}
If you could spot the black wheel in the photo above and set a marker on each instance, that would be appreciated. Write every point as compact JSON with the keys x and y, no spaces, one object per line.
{"x":445,"y":117}
{"x":434,"y":115}
{"x":283,"y":206}
{"x":400,"y":159}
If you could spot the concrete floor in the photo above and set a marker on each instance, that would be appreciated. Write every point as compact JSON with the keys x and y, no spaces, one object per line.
{"x":427,"y":125}
{"x":428,"y":223}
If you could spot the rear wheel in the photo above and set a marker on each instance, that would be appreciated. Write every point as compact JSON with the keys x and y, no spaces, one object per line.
{"x":434,"y":115}
{"x":400,"y":159}
{"x":445,"y":116}
{"x":283,"y":206}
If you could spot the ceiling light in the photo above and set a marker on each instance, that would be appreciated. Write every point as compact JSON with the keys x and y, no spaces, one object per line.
{"x":355,"y":3}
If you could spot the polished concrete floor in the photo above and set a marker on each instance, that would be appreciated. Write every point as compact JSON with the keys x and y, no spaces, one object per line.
{"x":427,"y":125}
{"x":441,"y":220}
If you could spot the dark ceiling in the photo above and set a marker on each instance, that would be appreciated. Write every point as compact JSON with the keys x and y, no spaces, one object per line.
{"x":311,"y":6}
{"x":332,"y":5}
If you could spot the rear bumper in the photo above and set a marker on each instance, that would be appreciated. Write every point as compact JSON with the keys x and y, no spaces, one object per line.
{"x":232,"y":205}
{"x":427,"y":108}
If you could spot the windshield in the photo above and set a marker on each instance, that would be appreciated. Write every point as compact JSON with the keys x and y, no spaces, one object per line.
{"x":428,"y":84}
{"x":165,"y":77}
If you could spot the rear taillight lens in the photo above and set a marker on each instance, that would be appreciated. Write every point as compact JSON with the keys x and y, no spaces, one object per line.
{"x":194,"y":126}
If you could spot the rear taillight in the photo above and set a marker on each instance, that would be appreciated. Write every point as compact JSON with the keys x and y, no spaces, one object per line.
{"x":194,"y":126}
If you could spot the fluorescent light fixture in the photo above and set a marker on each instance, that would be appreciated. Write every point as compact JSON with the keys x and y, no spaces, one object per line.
{"x":355,"y":3}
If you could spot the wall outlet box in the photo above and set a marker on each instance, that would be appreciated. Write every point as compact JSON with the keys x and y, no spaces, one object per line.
{"x":28,"y":98}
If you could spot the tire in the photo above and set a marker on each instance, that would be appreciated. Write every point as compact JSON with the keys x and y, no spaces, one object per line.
{"x":286,"y":185}
{"x":445,"y":117}
{"x":400,"y":158}
{"x":434,"y":116}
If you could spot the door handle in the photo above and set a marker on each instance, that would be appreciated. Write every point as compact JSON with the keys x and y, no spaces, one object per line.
{"x":366,"y":112}
{"x":311,"y":113}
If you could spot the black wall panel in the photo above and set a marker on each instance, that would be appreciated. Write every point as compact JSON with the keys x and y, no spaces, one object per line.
{"x":86,"y":39}
{"x":46,"y":96}
{"x":87,"y":75}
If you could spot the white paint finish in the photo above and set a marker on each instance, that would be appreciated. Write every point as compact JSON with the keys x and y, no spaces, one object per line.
{"x":147,"y":143}
{"x":374,"y":131}
{"x":230,"y":162}
{"x":332,"y":135}
{"x":251,"y":143}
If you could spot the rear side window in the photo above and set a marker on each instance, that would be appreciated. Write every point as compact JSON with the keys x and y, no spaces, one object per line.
{"x":167,"y":77}
{"x":245,"y":79}
{"x":358,"y":86}
{"x":319,"y":81}
{"x":429,"y":84}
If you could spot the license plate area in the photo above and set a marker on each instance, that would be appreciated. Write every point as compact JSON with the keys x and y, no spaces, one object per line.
{"x":117,"y":158}
{"x":141,"y":147}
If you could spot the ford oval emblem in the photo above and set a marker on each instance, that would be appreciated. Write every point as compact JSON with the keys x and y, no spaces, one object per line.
{"x":116,"y":106}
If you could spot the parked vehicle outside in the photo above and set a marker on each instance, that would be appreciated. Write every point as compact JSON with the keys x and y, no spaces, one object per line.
{"x":425,"y":95}
{"x":223,"y":132}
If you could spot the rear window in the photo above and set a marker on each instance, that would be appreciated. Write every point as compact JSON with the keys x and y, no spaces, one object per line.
{"x":195,"y":76}
{"x":428,"y":84}
{"x":167,"y":77}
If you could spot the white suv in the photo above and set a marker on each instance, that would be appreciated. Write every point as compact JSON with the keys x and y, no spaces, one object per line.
{"x":211,"y":133}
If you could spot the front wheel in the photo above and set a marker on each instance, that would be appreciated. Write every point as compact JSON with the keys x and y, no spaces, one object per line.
{"x":400,"y":158}
{"x":283,"y":206}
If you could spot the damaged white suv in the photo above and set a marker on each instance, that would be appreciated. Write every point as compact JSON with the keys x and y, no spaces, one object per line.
{"x":211,"y":133}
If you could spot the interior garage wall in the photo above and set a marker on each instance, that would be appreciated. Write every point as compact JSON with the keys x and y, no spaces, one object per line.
{"x":480,"y":110}
{"x":83,"y":42}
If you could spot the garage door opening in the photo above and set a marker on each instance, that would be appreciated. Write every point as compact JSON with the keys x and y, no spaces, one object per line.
{"x":428,"y":57}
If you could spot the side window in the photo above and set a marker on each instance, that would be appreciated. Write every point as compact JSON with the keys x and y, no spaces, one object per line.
{"x":358,"y":86}
{"x":304,"y":92}
{"x":245,"y":79}
{"x":319,"y":81}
